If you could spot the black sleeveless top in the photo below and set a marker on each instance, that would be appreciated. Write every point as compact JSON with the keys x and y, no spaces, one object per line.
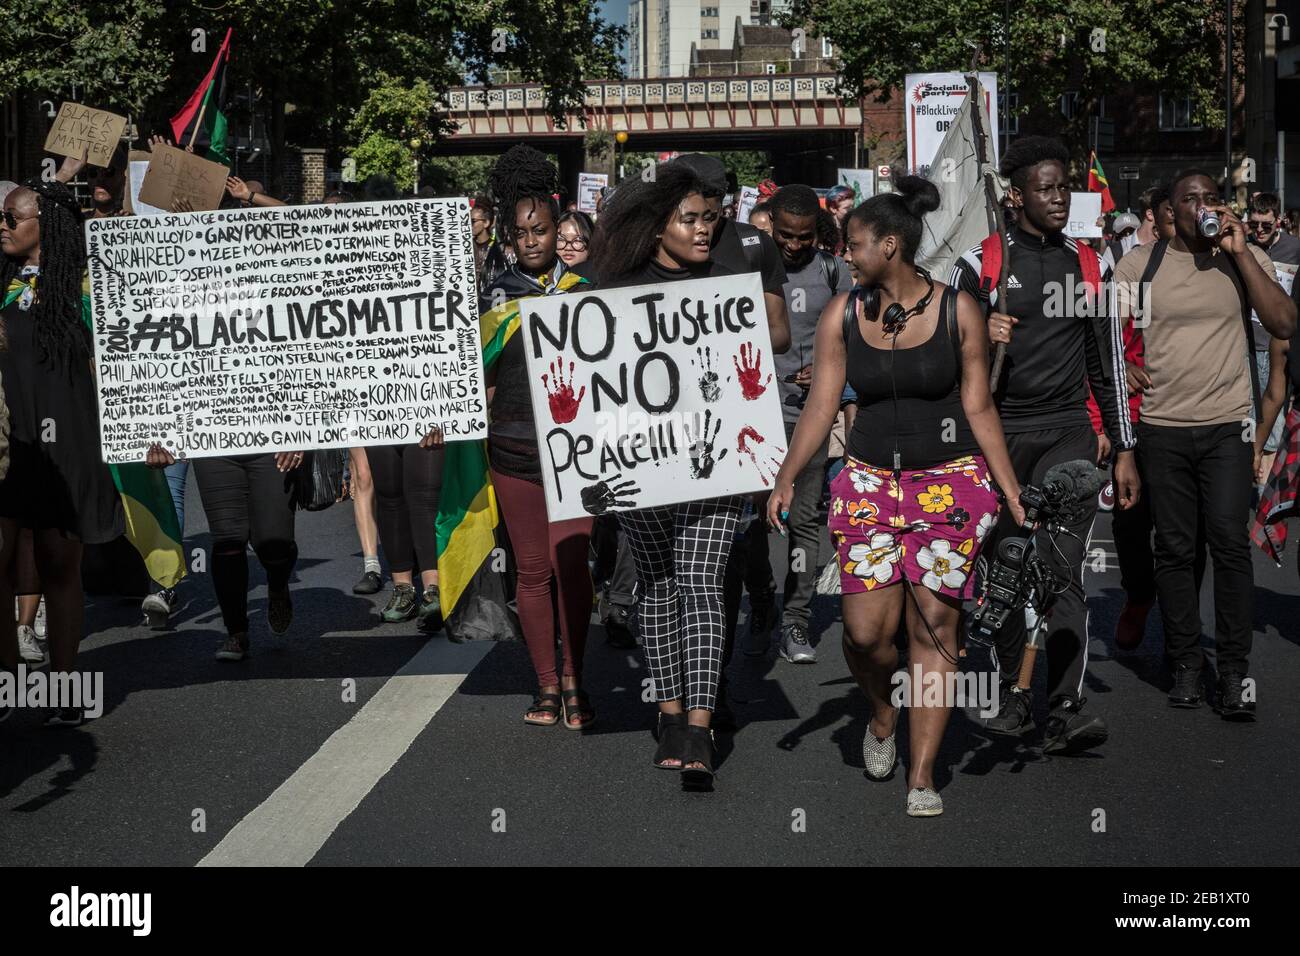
{"x":927,"y":422}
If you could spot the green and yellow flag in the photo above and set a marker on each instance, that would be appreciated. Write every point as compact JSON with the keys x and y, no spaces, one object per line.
{"x":467,"y":505}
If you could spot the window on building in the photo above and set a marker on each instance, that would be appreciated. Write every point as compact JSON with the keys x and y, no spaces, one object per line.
{"x":1010,"y":118}
{"x":709,"y":34}
{"x":1069,"y":103}
{"x":709,"y":12}
{"x":769,"y":68}
{"x":828,"y":48}
{"x":1175,"y":113}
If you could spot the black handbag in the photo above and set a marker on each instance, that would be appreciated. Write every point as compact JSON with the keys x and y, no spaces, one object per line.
{"x":318,"y":482}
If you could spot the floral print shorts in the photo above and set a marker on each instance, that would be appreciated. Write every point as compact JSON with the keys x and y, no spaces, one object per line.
{"x":928,"y":525}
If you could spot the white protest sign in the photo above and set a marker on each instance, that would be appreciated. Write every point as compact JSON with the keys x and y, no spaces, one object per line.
{"x":135,"y":171}
{"x":589,"y":187}
{"x":285,"y":328}
{"x":861,"y":181}
{"x":1085,"y":210}
{"x":748,"y":200}
{"x":931,"y":101}
{"x":652,"y":395}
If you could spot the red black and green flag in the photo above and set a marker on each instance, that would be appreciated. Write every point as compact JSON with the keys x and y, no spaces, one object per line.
{"x":1097,"y":183}
{"x":205,"y":111}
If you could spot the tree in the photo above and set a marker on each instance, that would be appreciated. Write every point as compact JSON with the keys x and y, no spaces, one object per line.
{"x":107,"y":52}
{"x":1093,"y":47}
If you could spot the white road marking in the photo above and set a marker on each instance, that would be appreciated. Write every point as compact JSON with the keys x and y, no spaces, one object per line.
{"x":293,"y":823}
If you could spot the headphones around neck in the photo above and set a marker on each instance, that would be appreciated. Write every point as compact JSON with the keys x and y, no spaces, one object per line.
{"x":895,"y":318}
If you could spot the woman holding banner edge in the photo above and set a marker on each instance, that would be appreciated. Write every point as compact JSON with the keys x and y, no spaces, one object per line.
{"x":916,"y":497}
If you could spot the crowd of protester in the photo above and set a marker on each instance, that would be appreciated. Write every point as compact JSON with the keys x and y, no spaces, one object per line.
{"x":899,"y":446}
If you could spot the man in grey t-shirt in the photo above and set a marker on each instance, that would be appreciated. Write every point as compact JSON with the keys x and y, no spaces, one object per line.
{"x":813,"y":278}
{"x":1265,"y":230}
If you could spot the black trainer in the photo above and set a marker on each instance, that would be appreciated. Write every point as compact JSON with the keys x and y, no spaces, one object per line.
{"x":1015,"y":714}
{"x":1186,"y":692}
{"x":369,"y":583}
{"x":618,"y":632}
{"x":1069,"y":731}
{"x":402,"y":605}
{"x":429,"y":617}
{"x":1232,"y":703}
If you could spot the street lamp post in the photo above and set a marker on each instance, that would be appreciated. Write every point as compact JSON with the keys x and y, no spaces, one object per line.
{"x":621,"y":139}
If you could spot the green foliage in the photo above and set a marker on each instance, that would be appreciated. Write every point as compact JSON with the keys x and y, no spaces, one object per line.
{"x":107,"y":51}
{"x":750,"y":167}
{"x":1175,"y":45}
{"x":382,"y":155}
{"x":457,"y":175}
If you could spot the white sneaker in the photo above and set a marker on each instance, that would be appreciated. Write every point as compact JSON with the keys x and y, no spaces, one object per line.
{"x":30,"y":647}
{"x":879,"y":757}
{"x":39,"y":624}
{"x":924,"y":802}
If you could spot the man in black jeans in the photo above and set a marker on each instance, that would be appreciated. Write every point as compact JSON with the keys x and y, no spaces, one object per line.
{"x":1195,"y":432}
{"x":1064,"y":340}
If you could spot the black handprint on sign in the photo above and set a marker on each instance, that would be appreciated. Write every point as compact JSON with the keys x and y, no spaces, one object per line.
{"x":603,"y":495}
{"x":710,"y":387}
{"x":701,"y":446}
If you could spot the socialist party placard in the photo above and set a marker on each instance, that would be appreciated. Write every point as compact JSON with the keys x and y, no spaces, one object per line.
{"x":285,"y":328}
{"x":652,"y":395}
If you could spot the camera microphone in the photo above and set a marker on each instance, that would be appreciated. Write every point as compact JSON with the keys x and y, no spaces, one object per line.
{"x":1076,"y":480}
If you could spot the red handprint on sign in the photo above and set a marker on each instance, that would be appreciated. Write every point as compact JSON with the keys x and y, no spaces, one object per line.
{"x":564,"y":406}
{"x":749,"y":371}
{"x":764,"y":456}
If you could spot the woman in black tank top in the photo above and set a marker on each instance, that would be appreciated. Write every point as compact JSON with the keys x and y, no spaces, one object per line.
{"x":916,"y":496}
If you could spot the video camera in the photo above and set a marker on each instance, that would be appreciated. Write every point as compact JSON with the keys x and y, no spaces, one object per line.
{"x":1019,"y":577}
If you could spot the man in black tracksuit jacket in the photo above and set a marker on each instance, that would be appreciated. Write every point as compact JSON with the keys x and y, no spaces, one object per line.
{"x":1055,"y":350}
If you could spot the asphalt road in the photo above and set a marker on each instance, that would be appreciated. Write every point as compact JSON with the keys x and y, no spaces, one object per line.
{"x":273,"y":761}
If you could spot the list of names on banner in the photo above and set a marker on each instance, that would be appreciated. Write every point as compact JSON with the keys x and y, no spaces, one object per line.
{"x":286,"y":328}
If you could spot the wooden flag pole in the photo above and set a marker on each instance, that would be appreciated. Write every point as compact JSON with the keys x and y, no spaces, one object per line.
{"x":996,"y":223}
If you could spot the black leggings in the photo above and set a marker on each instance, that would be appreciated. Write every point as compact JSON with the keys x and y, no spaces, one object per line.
{"x":408,"y":481}
{"x":245,"y":499}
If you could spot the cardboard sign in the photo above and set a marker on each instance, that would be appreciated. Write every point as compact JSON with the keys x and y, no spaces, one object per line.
{"x":589,"y":187}
{"x":175,"y":174}
{"x":652,"y":395}
{"x":1085,"y":210}
{"x":932,"y":101}
{"x":285,"y":328}
{"x":79,"y":129}
{"x":748,"y":200}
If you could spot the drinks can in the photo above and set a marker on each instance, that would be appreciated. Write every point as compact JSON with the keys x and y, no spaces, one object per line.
{"x":1208,"y":223}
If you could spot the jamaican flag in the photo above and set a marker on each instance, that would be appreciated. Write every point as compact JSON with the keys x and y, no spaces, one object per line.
{"x":467,"y":505}
{"x":204,"y":111}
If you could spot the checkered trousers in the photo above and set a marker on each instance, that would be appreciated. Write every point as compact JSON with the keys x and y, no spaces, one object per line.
{"x":681,"y":555}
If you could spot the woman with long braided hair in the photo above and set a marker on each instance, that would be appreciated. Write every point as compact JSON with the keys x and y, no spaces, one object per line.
{"x":57,"y":485}
{"x":551,"y":556}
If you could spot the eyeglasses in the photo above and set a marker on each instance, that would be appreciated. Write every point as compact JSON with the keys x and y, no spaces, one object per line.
{"x":577,"y":245}
{"x":12,"y":221}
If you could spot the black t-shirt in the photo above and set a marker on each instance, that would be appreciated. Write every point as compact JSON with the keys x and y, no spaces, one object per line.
{"x":729,"y":252}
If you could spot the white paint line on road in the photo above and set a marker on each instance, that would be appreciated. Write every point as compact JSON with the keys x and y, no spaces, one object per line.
{"x":293,"y":823}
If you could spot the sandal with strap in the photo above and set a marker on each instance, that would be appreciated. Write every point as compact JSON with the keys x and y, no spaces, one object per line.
{"x":698,"y":749}
{"x":548,"y":704}
{"x":577,"y":705}
{"x":671,"y":733}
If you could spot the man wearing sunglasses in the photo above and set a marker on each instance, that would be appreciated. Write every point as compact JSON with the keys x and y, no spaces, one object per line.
{"x":1264,"y":226}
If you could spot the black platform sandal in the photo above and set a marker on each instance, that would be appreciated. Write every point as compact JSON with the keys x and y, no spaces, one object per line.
{"x":548,"y":704}
{"x":672,"y":735}
{"x":698,"y":749}
{"x":577,"y":704}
